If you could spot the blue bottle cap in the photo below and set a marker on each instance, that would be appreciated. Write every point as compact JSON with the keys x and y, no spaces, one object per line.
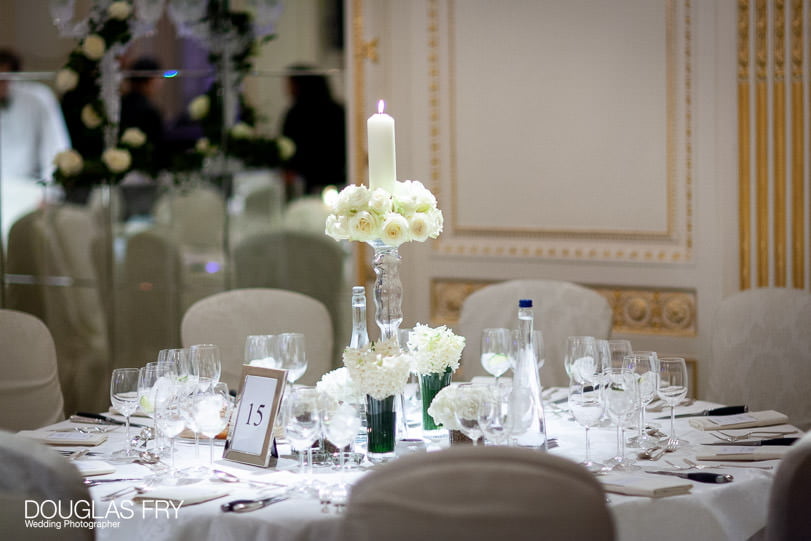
{"x":525,"y":303}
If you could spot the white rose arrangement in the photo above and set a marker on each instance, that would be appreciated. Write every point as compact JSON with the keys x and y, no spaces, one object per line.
{"x":90,"y":117}
{"x":338,"y":385}
{"x":360,"y":214}
{"x":241,"y":131}
{"x":199,"y":107}
{"x":94,"y":47}
{"x":69,"y":162}
{"x":117,"y":160}
{"x":434,"y":350}
{"x":449,"y":401}
{"x":378,"y":369}
{"x":66,"y":80}
{"x":119,"y":10}
{"x":133,"y":137}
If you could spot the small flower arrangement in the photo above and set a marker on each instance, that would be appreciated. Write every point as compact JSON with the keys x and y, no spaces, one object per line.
{"x":338,"y":385}
{"x":449,"y":401}
{"x":409,"y":213}
{"x":378,"y":369}
{"x":434,"y":350}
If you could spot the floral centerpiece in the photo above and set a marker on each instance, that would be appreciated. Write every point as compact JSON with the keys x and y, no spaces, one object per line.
{"x":380,"y":370}
{"x":450,"y":400}
{"x":436,"y":353}
{"x":339,"y":386}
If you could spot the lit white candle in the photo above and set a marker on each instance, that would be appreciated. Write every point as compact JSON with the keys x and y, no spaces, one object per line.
{"x":380,"y":133}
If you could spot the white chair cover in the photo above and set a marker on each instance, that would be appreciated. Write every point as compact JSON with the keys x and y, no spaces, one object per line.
{"x":32,"y":472}
{"x":480,"y":493}
{"x":761,"y":352}
{"x":306,"y":214}
{"x":308,"y":263}
{"x":562,"y":309}
{"x":30,"y":396}
{"x":226,"y":319}
{"x":195,"y":215}
{"x":790,"y":500}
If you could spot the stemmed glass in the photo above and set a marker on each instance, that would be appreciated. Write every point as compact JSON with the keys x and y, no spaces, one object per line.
{"x":124,"y":398}
{"x":673,"y":389}
{"x":209,"y":364}
{"x":617,"y":349}
{"x":341,"y":422}
{"x":581,"y":360}
{"x":620,"y":395}
{"x":212,"y":411}
{"x":645,"y":364}
{"x":259,"y":350}
{"x":496,"y":350}
{"x":537,"y":347}
{"x":153,"y":378}
{"x":466,"y":411}
{"x":494,"y":414}
{"x":169,"y":418}
{"x":587,"y":406}
{"x":303,"y":424}
{"x":291,"y":355}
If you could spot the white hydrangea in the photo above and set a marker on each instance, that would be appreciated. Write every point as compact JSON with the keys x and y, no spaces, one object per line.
{"x":69,"y":162}
{"x":133,"y":137}
{"x":435,"y":350}
{"x":380,"y":370}
{"x":338,"y":385}
{"x":451,"y":400}
{"x":117,"y":160}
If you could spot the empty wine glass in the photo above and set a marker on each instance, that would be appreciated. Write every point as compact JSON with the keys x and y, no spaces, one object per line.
{"x":259,"y":350}
{"x":618,"y":349}
{"x":169,"y":418}
{"x":496,"y":350}
{"x":341,"y":422}
{"x":645,"y":364}
{"x":124,"y":398}
{"x":466,"y":409}
{"x":582,"y":359}
{"x":212,"y":411}
{"x":620,"y":395}
{"x":673,"y":389}
{"x":209,"y":364}
{"x":291,"y":354}
{"x":587,"y":406}
{"x":537,"y":347}
{"x":494,"y":414}
{"x":302,"y":425}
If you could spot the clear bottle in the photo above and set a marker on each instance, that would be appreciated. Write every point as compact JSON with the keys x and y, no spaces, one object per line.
{"x":359,"y":335}
{"x":529,"y":428}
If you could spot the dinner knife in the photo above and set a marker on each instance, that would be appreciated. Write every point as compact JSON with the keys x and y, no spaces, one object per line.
{"x":725,"y":410}
{"x":701,"y":477}
{"x":770,"y":441}
{"x":101,"y":418}
{"x":244,"y":506}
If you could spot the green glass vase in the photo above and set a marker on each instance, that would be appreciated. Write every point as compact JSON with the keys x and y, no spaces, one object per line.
{"x":430,"y":385}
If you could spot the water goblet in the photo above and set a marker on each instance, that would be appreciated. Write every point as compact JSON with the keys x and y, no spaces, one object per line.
{"x":581,"y":358}
{"x":620,"y":396}
{"x":124,"y":398}
{"x":537,"y":348}
{"x":496,"y":351}
{"x":170,"y":420}
{"x":645,"y":364}
{"x":466,"y":409}
{"x":617,"y":350}
{"x":212,"y":411}
{"x":303,"y":426}
{"x":208,"y":359}
{"x":152,"y":378}
{"x":259,"y":350}
{"x":341,"y":422}
{"x":587,"y":406}
{"x":673,"y":389}
{"x":494,"y":414}
{"x":291,"y":355}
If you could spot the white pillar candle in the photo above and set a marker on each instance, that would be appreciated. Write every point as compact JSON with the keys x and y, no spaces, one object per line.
{"x":380,"y":133}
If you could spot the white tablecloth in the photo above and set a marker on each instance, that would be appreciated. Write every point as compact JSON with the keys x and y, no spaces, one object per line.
{"x":732,"y":511}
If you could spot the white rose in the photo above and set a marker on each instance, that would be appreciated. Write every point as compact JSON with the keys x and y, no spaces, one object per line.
{"x":437,"y":222}
{"x":352,"y":199}
{"x":69,"y":162}
{"x":119,"y":10}
{"x":241,"y":131}
{"x":423,"y":197}
{"x":199,"y":107}
{"x":90,"y":117}
{"x":66,"y":80}
{"x":420,"y":226}
{"x":380,"y":201}
{"x":395,"y":230}
{"x":94,"y":46}
{"x":286,"y":148}
{"x":133,"y":137}
{"x":117,"y":160}
{"x":364,"y":226}
{"x":336,"y":227}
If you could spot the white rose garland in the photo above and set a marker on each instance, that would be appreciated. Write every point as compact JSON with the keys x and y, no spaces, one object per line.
{"x":119,"y":10}
{"x":94,"y":47}
{"x":133,"y":137}
{"x":66,"y":80}
{"x":90,"y":117}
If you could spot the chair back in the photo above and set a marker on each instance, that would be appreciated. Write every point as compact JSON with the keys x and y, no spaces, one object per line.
{"x":308,"y":214}
{"x":790,"y":498}
{"x":226,"y":319}
{"x":761,"y":352}
{"x":30,"y":395}
{"x":195,"y":215}
{"x":562,"y":309}
{"x":479,"y":493}
{"x":30,"y":472}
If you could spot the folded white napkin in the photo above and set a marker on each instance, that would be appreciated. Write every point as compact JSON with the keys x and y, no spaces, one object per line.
{"x":742,"y":453}
{"x":185,"y":495}
{"x":93,"y":467}
{"x":58,"y":437}
{"x":652,"y":487}
{"x":744,"y":420}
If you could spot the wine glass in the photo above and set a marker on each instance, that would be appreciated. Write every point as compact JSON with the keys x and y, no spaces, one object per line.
{"x":291,"y":355}
{"x":587,"y":406}
{"x":302,"y":424}
{"x":259,"y":350}
{"x":496,"y":350}
{"x":466,"y":409}
{"x":212,"y":411}
{"x":673,"y":389}
{"x":341,"y":422}
{"x":124,"y":398}
{"x":620,"y":395}
{"x":494,"y":414}
{"x":618,"y":349}
{"x":537,"y":347}
{"x":169,"y":418}
{"x":152,"y":378}
{"x":645,"y":364}
{"x":582,"y":360}
{"x":209,"y":364}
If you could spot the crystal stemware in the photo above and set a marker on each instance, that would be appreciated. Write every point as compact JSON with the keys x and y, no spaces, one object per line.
{"x":620,"y":394}
{"x":212,"y":411}
{"x":208,"y":359}
{"x":496,"y":349}
{"x":586,"y":406}
{"x":303,"y":426}
{"x":341,"y":422}
{"x":494,"y":414}
{"x":673,"y":389}
{"x":153,"y":378}
{"x":259,"y":350}
{"x":124,"y":398}
{"x":291,"y":355}
{"x":466,"y":409}
{"x":645,"y":364}
{"x":581,"y":359}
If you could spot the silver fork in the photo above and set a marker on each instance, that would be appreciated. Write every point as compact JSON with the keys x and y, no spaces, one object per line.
{"x":732,"y":438}
{"x":696,"y":466}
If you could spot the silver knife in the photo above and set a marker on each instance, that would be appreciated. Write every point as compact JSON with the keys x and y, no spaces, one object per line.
{"x":756,"y":443}
{"x":244,"y":506}
{"x":701,"y":477}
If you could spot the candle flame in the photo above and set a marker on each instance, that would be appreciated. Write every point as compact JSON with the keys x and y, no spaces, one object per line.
{"x":380,"y":106}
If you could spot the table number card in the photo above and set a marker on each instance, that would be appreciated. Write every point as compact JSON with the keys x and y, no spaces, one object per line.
{"x":250,"y":438}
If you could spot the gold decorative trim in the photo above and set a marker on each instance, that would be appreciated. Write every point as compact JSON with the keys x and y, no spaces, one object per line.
{"x":779,"y":139}
{"x":761,"y":144}
{"x":744,"y":148}
{"x":797,"y":147}
{"x":663,"y":312}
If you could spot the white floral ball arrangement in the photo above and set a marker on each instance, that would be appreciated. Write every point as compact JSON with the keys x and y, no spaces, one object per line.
{"x":410,"y":213}
{"x":338,"y":385}
{"x":449,"y":401}
{"x":379,"y":369}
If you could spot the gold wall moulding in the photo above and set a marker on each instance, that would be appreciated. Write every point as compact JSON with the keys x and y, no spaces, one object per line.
{"x":659,"y":311}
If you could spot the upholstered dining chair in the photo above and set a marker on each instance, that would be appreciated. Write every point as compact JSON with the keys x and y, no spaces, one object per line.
{"x":761,"y":352}
{"x":30,"y":395}
{"x":562,"y":309}
{"x":479,"y":493}
{"x":226,"y":319}
{"x":790,"y":497}
{"x":31,"y":474}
